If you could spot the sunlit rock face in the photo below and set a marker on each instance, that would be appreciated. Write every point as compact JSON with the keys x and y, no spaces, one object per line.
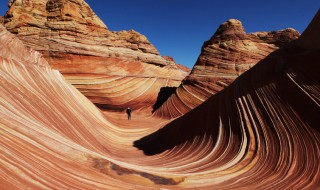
{"x":261,"y":132}
{"x":170,"y":59}
{"x":77,"y":43}
{"x":223,"y":58}
{"x":53,"y":137}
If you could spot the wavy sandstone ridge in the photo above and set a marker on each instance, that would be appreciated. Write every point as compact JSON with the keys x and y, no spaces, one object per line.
{"x":261,"y":132}
{"x":223,"y":58}
{"x":52,"y":137}
{"x":77,"y":43}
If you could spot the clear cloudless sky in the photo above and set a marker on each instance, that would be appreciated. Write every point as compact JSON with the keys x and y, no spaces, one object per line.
{"x":179,"y":27}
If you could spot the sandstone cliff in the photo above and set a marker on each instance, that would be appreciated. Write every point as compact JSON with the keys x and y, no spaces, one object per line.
{"x":1,"y":20}
{"x":229,"y":53}
{"x":77,"y":43}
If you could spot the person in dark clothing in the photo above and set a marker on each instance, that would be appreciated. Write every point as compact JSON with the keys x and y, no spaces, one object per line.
{"x":129,"y":113}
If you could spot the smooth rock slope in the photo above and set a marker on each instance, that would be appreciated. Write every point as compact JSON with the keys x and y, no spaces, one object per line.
{"x":53,"y":137}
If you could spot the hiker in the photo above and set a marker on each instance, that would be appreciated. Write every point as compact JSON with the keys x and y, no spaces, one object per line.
{"x":129,"y":113}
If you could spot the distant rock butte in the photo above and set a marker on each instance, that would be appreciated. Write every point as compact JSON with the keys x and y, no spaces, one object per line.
{"x":76,"y":42}
{"x":182,"y":67}
{"x":229,"y":53}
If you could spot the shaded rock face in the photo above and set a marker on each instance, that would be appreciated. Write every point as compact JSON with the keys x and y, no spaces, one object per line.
{"x":310,"y":37}
{"x":1,"y":20}
{"x":77,"y":43}
{"x":229,"y":53}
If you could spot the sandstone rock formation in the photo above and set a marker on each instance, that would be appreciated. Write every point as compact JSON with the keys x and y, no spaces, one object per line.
{"x":51,"y":135}
{"x":223,"y":58}
{"x":1,"y":20}
{"x":77,"y":43}
{"x":261,"y":132}
{"x":182,"y":67}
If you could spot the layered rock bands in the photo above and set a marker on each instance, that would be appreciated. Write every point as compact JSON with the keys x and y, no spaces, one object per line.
{"x":76,"y":42}
{"x":229,"y":53}
{"x":261,"y":132}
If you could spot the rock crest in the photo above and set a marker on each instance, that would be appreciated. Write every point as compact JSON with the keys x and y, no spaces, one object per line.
{"x":71,"y":26}
{"x":229,"y":53}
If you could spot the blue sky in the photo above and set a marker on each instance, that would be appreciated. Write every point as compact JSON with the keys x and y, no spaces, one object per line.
{"x":179,"y":27}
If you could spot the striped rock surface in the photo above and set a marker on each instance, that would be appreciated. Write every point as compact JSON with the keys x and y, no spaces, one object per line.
{"x":228,"y":54}
{"x":261,"y":132}
{"x":53,"y":137}
{"x":76,"y":42}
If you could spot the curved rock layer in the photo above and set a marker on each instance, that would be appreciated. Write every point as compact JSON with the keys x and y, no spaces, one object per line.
{"x":52,"y":137}
{"x":261,"y":132}
{"x":223,"y":58}
{"x":127,"y":83}
{"x":76,"y":42}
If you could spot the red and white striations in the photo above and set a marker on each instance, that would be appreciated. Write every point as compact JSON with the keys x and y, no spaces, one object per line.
{"x":53,"y":137}
{"x":261,"y":132}
{"x":76,"y":42}
{"x":223,"y":58}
